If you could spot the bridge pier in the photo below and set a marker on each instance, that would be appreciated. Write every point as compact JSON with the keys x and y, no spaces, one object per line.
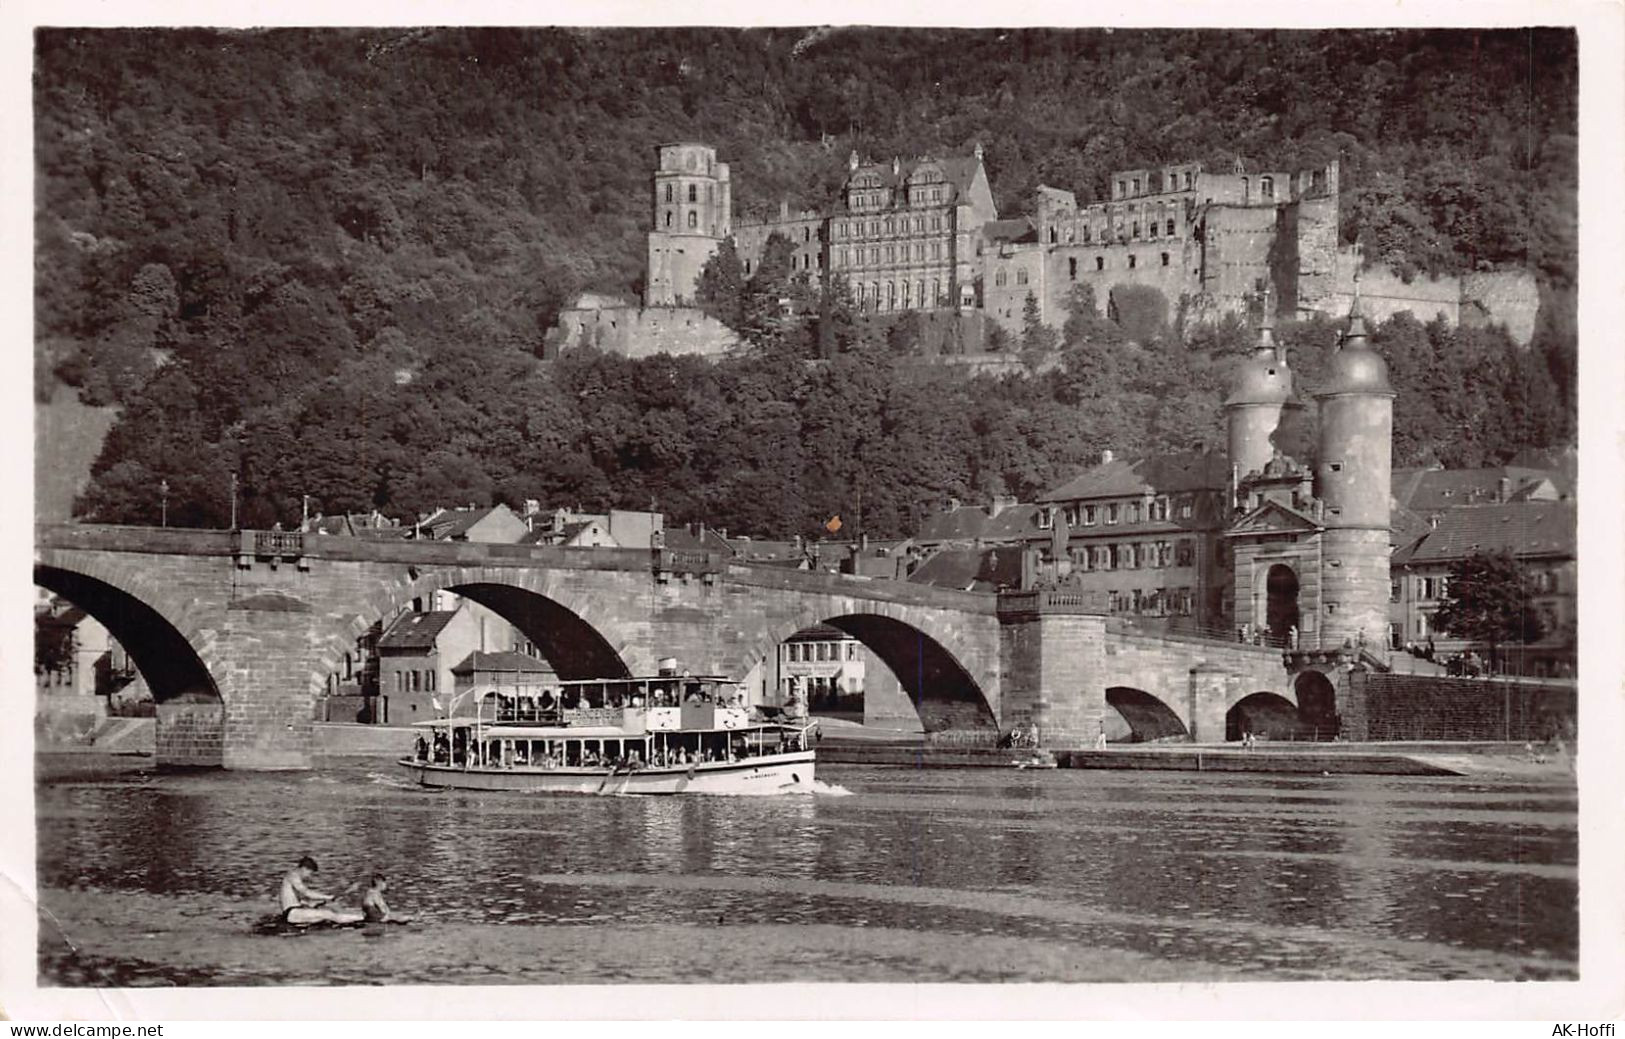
{"x":1053,"y":646}
{"x":1212,"y":689}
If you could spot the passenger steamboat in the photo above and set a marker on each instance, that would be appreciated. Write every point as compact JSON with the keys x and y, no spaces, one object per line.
{"x":661,"y":735}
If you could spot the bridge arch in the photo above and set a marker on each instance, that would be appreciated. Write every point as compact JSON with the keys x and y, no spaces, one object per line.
{"x":1147,"y":717}
{"x":1266,"y":714}
{"x":166,"y":655}
{"x":1317,"y":703}
{"x":567,"y":628}
{"x":941,"y":687}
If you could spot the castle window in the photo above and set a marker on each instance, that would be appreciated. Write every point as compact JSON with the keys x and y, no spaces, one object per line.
{"x":1052,"y":236}
{"x":668,"y":218}
{"x":919,"y":250}
{"x":921,"y":286}
{"x":919,"y":224}
{"x":668,"y":192}
{"x":888,"y":226}
{"x":1266,"y":187}
{"x":806,"y":234}
{"x":1072,"y":268}
{"x":891,"y":254}
{"x":1165,"y":259}
{"x":1131,"y":261}
{"x":874,"y":293}
{"x":1187,"y":180}
{"x":693,"y":219}
{"x":874,"y":254}
{"x":1246,"y":190}
{"x":1086,"y":234}
{"x":936,"y":223}
{"x":1122,"y":189}
{"x":936,"y":289}
{"x":999,"y":277}
{"x":936,"y":250}
{"x":1136,"y":229}
{"x":874,"y":227}
{"x":1021,"y":276}
{"x":908,"y":296}
{"x":1170,"y":228}
{"x":1100,"y":263}
{"x":1136,"y":185}
{"x":693,"y":193}
{"x":747,"y":268}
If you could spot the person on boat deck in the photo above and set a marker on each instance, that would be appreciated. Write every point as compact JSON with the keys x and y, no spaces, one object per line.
{"x":301,"y":904}
{"x":420,"y":749}
{"x":373,"y":904}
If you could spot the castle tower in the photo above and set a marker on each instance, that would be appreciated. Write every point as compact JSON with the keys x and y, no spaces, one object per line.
{"x":692,"y":215}
{"x":1353,"y":479}
{"x":1261,"y":389}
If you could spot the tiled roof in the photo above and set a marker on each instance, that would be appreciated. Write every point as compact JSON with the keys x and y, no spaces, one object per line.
{"x":1526,"y":529}
{"x":416,"y":630}
{"x":960,"y":523}
{"x":1015,"y":229}
{"x":1426,"y":489}
{"x":479,"y":660}
{"x":1155,"y":474}
{"x":1013,"y":523}
{"x":454,"y":523}
{"x":754,"y":550}
{"x":971,"y":570}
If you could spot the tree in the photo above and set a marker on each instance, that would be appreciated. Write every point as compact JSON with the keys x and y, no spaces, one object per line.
{"x":1488,"y":602}
{"x":720,"y":291}
{"x":1036,"y":337}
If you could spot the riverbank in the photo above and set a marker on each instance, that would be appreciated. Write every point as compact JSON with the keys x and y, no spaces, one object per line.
{"x":851,"y":744}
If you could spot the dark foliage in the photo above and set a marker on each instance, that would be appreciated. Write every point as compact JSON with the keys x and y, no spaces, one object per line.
{"x":325,"y":260}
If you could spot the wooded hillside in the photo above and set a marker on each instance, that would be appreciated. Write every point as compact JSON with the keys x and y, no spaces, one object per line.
{"x":326,"y":259}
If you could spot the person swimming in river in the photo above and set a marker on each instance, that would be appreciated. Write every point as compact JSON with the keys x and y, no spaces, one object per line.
{"x":301,"y":904}
{"x":374,"y":906}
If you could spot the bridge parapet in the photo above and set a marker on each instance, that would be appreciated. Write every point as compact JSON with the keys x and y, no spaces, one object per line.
{"x":1051,"y":601}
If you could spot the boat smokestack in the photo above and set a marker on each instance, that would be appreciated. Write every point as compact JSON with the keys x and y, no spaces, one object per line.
{"x":668,"y":666}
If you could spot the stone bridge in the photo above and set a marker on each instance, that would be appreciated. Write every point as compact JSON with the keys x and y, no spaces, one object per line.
{"x":236,"y":632}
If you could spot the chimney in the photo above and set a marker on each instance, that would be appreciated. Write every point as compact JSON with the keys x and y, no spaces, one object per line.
{"x":1503,"y":489}
{"x":1000,"y":503}
{"x":1106,"y":456}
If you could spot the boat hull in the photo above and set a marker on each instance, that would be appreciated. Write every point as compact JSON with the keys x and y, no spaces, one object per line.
{"x":778,"y":774}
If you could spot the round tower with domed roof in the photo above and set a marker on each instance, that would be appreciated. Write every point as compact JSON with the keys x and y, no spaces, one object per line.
{"x":1353,"y":480}
{"x":1261,"y":389}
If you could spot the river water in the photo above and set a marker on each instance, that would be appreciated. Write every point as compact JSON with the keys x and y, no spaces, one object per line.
{"x":891,"y":875}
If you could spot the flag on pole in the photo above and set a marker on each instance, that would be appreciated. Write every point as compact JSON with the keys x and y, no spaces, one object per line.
{"x":834,"y":524}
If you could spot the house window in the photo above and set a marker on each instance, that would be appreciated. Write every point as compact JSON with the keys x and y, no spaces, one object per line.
{"x":1111,"y":514}
{"x":1046,"y":519}
{"x":998,"y":277}
{"x":1165,"y":259}
{"x":1185,"y":509}
{"x":1021,"y":276}
{"x":1266,"y":187}
{"x":1136,"y":185}
{"x":1184,"y":553}
{"x":1132,"y":513}
{"x":1136,"y":233}
{"x":1393,"y":591}
{"x":1086,"y":232}
{"x":1088,"y":515}
{"x":1170,"y":227}
{"x":1131,"y":261}
{"x":1100,"y":263}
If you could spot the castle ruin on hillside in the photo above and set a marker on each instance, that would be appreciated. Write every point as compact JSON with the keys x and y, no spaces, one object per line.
{"x":924,"y":234}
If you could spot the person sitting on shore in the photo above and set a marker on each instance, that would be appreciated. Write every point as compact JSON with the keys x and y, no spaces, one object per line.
{"x":301,"y":904}
{"x":373,"y":904}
